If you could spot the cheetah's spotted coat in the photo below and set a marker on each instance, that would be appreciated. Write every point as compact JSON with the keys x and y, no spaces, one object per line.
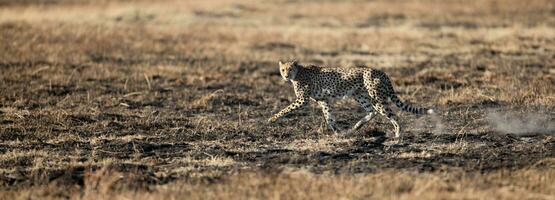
{"x":371,"y":88}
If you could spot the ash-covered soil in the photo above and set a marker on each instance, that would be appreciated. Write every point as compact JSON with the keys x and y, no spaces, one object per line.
{"x":186,"y":95}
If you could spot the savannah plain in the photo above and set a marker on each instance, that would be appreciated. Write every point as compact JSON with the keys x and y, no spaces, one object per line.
{"x":169,"y":100}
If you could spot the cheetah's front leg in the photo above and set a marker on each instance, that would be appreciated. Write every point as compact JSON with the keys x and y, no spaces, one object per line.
{"x":329,"y":118}
{"x":300,"y":102}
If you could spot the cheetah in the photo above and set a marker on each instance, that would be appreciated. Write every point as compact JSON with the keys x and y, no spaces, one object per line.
{"x":371,"y":88}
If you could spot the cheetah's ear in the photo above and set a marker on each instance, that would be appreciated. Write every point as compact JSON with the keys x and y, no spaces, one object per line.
{"x":280,"y":63}
{"x":295,"y":62}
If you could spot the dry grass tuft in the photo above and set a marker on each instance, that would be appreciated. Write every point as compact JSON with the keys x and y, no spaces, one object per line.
{"x":169,"y":99}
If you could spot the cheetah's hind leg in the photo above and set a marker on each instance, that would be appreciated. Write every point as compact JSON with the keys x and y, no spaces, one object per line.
{"x":330,"y":121}
{"x":390,"y":115}
{"x":362,"y":121}
{"x":365,"y":102}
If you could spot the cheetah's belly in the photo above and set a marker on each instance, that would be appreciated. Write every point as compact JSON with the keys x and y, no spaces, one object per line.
{"x":349,"y":93}
{"x":327,"y":92}
{"x":332,"y":91}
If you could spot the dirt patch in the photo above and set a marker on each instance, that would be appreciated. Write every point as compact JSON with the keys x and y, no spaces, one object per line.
{"x":95,"y":100}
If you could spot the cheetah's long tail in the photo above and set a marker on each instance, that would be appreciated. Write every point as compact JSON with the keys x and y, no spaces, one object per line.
{"x":409,"y":108}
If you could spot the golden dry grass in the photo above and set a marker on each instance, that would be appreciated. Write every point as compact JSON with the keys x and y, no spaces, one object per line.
{"x":168,"y":99}
{"x":302,"y":184}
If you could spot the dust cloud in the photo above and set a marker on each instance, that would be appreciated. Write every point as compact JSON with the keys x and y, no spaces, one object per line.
{"x":521,"y":123}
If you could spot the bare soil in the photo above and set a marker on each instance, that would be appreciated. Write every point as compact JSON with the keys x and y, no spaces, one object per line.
{"x":169,"y":99}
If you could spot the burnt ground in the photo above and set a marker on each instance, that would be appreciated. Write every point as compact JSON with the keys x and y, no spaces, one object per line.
{"x":169,"y":97}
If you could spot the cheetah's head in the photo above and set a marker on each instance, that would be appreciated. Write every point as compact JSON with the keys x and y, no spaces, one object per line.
{"x":288,"y":70}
